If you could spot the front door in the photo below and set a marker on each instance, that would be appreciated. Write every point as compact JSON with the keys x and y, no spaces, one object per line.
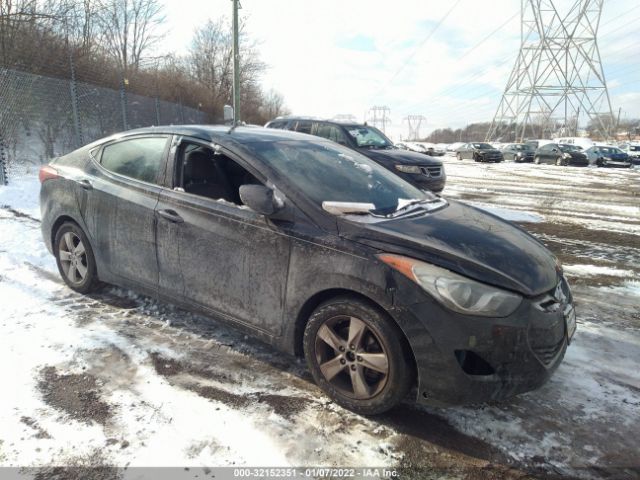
{"x":214,"y":252}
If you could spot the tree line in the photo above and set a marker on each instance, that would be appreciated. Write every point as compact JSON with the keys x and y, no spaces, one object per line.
{"x":114,"y":44}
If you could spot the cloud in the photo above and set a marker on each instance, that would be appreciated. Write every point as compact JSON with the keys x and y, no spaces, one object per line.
{"x":343,"y":57}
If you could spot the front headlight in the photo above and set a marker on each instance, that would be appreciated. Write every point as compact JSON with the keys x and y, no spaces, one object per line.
{"x":566,"y":155}
{"x":458,"y":293}
{"x":408,"y":168}
{"x":519,"y":154}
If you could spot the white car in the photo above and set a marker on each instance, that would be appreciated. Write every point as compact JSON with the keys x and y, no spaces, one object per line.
{"x":633,"y":150}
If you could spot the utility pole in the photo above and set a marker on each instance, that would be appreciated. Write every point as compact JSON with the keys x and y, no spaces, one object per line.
{"x":236,"y":65}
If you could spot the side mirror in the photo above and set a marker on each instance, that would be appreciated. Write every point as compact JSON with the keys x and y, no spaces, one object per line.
{"x":259,"y":198}
{"x":555,"y":150}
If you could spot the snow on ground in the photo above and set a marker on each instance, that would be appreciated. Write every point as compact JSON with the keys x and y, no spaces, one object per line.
{"x":120,"y":379}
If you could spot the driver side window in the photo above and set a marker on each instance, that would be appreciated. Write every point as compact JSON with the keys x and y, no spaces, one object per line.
{"x":203,"y":172}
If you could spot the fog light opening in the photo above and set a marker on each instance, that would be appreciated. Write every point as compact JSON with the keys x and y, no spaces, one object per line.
{"x":473,"y":364}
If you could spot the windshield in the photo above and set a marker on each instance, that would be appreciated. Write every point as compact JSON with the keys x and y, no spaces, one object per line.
{"x":522,"y":147}
{"x":326,"y":171}
{"x":369,"y":137}
{"x":634,"y":148}
{"x":482,"y":146}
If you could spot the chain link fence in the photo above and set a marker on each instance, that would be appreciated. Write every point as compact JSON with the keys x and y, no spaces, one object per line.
{"x":43,"y":117}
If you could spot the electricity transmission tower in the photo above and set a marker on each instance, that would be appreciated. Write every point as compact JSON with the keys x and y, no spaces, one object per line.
{"x":557,"y":77}
{"x":414,"y":122}
{"x":379,"y":117}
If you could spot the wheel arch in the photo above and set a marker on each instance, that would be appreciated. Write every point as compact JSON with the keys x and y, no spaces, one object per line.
{"x":61,"y":220}
{"x":324,"y":295}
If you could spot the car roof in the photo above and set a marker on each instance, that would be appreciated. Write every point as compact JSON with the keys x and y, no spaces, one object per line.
{"x":222,"y":133}
{"x":342,"y":123}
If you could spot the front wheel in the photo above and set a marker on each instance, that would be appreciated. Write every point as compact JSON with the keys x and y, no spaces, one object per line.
{"x":357,"y":356}
{"x":536,"y":160}
{"x":75,"y":259}
{"x":458,"y":156}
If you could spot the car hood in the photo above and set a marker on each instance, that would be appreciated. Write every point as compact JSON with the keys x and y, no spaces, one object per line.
{"x":468,"y":241}
{"x":577,"y":154}
{"x":490,"y":150}
{"x":399,"y":156}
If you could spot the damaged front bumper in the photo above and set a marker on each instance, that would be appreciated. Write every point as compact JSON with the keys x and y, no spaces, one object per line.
{"x":476,"y":359}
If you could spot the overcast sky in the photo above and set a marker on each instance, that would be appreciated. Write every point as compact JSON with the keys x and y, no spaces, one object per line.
{"x":342,"y":57}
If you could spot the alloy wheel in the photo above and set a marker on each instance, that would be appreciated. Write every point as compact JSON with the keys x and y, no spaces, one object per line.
{"x":352,"y":357}
{"x":73,"y":258}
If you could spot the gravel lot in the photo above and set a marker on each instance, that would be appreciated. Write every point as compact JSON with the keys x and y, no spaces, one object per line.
{"x":117,"y":379}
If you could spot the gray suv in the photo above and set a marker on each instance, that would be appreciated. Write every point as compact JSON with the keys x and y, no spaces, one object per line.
{"x":419,"y":169}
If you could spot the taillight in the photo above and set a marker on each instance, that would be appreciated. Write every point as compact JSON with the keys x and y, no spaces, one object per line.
{"x":47,"y":172}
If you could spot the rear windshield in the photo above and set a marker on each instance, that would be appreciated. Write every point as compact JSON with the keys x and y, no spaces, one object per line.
{"x":329,"y":172}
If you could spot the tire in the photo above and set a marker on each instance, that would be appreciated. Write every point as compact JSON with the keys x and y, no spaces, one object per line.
{"x":536,"y":160}
{"x":347,"y":379}
{"x":559,"y":162}
{"x":458,"y":156}
{"x":75,"y":259}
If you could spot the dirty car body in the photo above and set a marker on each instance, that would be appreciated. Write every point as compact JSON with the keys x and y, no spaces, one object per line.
{"x":267,"y":272}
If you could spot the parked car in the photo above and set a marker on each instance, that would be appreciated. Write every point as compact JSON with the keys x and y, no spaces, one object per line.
{"x":633,"y":150}
{"x":422,"y":171}
{"x":560,"y":154}
{"x":535,"y":144}
{"x":480,"y":152}
{"x":454,"y":146}
{"x":430,"y":149}
{"x":582,"y":142}
{"x":605,"y":156}
{"x":319,"y":251}
{"x":518,"y":152}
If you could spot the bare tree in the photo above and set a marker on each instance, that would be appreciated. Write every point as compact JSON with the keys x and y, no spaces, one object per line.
{"x":273,"y":105}
{"x":211,"y":65}
{"x":129,"y":29}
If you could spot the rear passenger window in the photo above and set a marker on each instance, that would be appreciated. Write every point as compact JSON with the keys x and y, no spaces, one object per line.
{"x":138,"y":158}
{"x":304,"y":127}
{"x":332,"y":133}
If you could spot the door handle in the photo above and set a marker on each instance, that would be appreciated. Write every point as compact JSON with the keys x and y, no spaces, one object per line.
{"x":86,"y":184}
{"x":171,"y":215}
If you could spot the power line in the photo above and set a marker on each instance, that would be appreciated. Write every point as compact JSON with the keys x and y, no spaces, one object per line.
{"x":418,"y":48}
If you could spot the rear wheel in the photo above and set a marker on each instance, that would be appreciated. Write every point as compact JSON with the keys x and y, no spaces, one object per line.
{"x":357,"y":356}
{"x":75,"y":259}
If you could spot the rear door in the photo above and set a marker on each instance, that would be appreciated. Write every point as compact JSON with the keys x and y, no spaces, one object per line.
{"x":119,"y":210}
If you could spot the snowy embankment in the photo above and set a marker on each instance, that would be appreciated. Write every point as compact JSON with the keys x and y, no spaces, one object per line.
{"x":118,"y":379}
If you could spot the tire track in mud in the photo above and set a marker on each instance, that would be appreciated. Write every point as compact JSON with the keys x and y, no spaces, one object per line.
{"x":220,"y":360}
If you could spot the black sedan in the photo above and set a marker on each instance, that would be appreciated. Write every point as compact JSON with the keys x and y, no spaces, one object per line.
{"x":561,"y":154}
{"x":518,"y":152}
{"x":480,"y":152}
{"x":319,"y":251}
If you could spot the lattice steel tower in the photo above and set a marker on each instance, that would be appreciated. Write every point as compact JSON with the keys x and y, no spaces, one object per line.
{"x":557,"y":79}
